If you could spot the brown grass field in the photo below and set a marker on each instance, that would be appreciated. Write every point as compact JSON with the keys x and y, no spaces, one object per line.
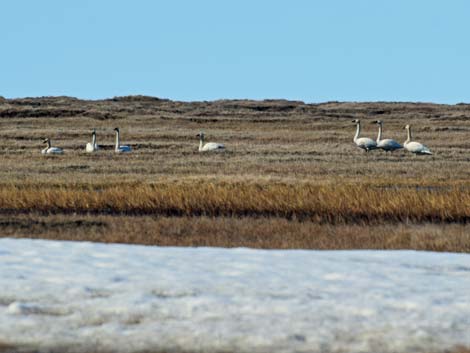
{"x":291,"y":176}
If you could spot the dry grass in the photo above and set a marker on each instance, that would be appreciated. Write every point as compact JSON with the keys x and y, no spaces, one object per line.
{"x":261,"y":232}
{"x":331,"y":203}
{"x":285,"y":162}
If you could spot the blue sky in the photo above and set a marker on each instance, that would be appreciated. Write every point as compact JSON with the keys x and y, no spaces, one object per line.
{"x":315,"y":51}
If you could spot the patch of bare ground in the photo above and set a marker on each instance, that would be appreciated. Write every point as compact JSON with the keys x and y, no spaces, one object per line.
{"x":460,"y":350}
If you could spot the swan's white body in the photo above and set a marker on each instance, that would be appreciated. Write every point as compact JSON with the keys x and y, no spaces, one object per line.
{"x":210,"y":146}
{"x":413,"y":146}
{"x":51,"y":150}
{"x":365,"y":143}
{"x":92,"y":146}
{"x":388,"y":145}
{"x":118,"y":148}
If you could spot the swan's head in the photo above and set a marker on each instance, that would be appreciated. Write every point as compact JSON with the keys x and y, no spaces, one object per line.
{"x":93,"y":132}
{"x":356,"y":121}
{"x":116,"y":129}
{"x":407,"y":127}
{"x":200,"y":135}
{"x":46,"y":140}
{"x":377,"y":122}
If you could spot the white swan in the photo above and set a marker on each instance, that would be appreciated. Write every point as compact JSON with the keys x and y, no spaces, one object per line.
{"x":210,"y":146}
{"x":388,"y":145}
{"x":365,"y":143}
{"x":414,"y":147}
{"x":119,"y":148}
{"x":92,"y":146}
{"x":51,"y":150}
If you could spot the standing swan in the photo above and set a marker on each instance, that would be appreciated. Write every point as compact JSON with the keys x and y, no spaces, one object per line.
{"x":388,"y":145}
{"x":210,"y":146}
{"x":51,"y":150}
{"x":414,"y":147}
{"x":119,"y":148}
{"x":365,"y":143}
{"x":92,"y":146}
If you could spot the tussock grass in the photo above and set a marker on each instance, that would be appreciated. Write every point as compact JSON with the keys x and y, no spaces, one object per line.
{"x":328,"y":203}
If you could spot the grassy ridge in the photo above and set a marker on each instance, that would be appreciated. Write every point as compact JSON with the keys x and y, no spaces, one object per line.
{"x":331,"y":203}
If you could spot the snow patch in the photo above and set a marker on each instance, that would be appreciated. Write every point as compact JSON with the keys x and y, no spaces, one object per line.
{"x":134,"y":298}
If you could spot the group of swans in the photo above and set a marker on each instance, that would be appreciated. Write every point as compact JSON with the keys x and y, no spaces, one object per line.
{"x":388,"y":145}
{"x":92,"y":146}
{"x":367,"y":144}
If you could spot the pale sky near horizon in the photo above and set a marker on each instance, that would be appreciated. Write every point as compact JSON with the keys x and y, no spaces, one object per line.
{"x":315,"y":51}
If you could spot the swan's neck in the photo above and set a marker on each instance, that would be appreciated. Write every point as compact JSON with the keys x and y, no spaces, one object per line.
{"x":358,"y":131}
{"x":201,"y":142}
{"x":93,"y":140}
{"x":48,"y":144}
{"x":117,"y":140}
{"x":409,"y":135}
{"x":379,"y":136}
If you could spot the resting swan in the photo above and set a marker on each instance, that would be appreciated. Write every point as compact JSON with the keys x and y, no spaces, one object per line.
{"x":388,"y":145}
{"x":365,"y":143}
{"x":119,"y":148}
{"x":51,"y":150}
{"x":210,"y":146}
{"x":92,"y":146}
{"x":414,"y":147}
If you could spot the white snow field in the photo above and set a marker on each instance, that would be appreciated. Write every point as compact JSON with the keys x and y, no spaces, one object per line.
{"x":90,"y":297}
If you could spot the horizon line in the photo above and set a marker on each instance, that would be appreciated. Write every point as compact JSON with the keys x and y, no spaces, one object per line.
{"x":143,"y":96}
